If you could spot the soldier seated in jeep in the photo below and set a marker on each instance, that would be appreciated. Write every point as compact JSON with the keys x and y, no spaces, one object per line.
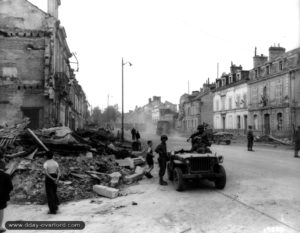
{"x":200,"y":142}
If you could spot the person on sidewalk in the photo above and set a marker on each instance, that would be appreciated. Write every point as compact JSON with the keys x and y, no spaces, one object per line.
{"x":161,"y":149}
{"x":138,"y":136}
{"x":5,"y":188}
{"x":149,"y":160}
{"x":52,"y":174}
{"x":250,"y":138}
{"x":133,"y":134}
{"x":297,"y":142}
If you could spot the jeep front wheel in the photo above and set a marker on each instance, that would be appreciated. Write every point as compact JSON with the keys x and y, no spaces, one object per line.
{"x":169,"y":172}
{"x":178,"y":179}
{"x":220,"y":182}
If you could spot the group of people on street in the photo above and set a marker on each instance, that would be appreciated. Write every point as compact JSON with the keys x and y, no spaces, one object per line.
{"x":135,"y":134}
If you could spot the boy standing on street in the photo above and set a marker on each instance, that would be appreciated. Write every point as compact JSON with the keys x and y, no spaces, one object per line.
{"x":5,"y":188}
{"x":52,"y":174}
{"x":250,"y":138}
{"x":149,"y":159}
{"x":161,"y":149}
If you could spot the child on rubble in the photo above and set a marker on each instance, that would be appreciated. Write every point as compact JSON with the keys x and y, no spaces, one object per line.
{"x":149,"y":160}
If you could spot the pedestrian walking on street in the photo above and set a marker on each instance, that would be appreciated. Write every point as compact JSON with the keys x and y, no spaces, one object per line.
{"x":5,"y":188}
{"x":250,"y":138}
{"x":149,"y":160}
{"x":161,"y":149}
{"x":52,"y":174}
{"x":133,"y":134}
{"x":138,"y":136}
{"x":297,"y":142}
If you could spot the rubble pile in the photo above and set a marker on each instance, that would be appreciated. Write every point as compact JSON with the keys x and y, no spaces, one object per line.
{"x":86,"y":158}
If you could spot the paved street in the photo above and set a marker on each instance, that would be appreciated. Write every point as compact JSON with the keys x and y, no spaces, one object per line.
{"x":262,"y":195}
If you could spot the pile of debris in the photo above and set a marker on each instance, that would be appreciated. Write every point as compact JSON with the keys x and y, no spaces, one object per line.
{"x":88,"y":159}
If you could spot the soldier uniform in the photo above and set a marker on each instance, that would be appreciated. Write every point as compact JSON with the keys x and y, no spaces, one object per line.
{"x":161,"y":149}
{"x":250,"y":138}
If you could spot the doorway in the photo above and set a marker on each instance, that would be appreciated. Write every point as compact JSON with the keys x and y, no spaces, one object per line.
{"x":267,"y":124}
{"x":245,"y":123}
{"x":34,"y":115}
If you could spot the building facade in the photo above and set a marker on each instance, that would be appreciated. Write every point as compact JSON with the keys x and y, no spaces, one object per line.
{"x":196,"y":109}
{"x":274,"y":90}
{"x":230,"y":101}
{"x":36,"y":79}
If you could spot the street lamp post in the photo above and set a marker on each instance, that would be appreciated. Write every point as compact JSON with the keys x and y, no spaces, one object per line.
{"x":122,"y":127}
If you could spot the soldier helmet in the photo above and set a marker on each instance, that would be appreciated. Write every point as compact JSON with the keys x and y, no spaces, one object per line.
{"x":164,"y":137}
{"x":200,"y":127}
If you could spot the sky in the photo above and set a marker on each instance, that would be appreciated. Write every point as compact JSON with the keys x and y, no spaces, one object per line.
{"x":174,"y":45}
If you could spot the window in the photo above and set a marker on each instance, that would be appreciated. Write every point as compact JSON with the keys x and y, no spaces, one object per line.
{"x":267,"y":70}
{"x":255,"y":121}
{"x":217,"y":105}
{"x":280,"y":65}
{"x":264,"y":97}
{"x":238,"y":101}
{"x":245,"y":100}
{"x":256,"y":73}
{"x":279,"y":121}
{"x":230,"y":103}
{"x":223,"y":102}
{"x":189,"y":111}
{"x":238,"y":122}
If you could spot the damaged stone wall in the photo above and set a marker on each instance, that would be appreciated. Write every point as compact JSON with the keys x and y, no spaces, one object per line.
{"x":21,"y":75}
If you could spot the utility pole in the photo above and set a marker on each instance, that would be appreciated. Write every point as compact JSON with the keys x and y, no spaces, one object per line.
{"x":218,"y":70}
{"x":122,"y":127}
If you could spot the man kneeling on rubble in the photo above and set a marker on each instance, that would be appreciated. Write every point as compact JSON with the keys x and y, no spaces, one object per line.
{"x":200,"y":142}
{"x":52,"y":173}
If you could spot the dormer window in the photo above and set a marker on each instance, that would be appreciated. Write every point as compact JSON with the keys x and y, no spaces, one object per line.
{"x":256,"y":73}
{"x":267,"y":70}
{"x":280,"y":65}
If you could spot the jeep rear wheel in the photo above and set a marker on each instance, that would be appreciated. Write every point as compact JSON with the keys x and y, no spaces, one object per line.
{"x":220,"y":182}
{"x":169,"y":172}
{"x":178,"y":179}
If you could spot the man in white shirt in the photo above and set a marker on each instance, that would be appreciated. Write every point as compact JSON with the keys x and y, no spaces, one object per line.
{"x":52,"y":174}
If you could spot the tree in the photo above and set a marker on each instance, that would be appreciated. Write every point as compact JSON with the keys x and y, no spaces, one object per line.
{"x":96,"y":116}
{"x":110,"y":114}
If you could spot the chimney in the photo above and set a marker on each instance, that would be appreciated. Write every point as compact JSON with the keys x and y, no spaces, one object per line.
{"x":259,"y":60}
{"x":275,"y":52}
{"x":53,"y":8}
{"x":149,"y":100}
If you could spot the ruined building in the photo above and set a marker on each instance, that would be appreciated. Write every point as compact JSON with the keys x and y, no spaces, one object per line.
{"x":36,"y":79}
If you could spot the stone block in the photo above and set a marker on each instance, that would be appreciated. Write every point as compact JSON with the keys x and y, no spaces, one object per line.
{"x":106,"y":191}
{"x":133,"y":178}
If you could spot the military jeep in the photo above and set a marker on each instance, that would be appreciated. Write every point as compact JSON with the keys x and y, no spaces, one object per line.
{"x":185,"y":165}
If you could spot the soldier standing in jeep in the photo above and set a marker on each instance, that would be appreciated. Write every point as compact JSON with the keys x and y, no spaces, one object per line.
{"x":161,"y":149}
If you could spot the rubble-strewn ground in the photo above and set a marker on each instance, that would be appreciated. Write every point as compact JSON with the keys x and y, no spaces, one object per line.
{"x":86,"y":158}
{"x":262,"y":195}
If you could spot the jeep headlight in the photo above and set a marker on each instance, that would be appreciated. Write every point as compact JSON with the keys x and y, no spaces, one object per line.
{"x":187,"y":161}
